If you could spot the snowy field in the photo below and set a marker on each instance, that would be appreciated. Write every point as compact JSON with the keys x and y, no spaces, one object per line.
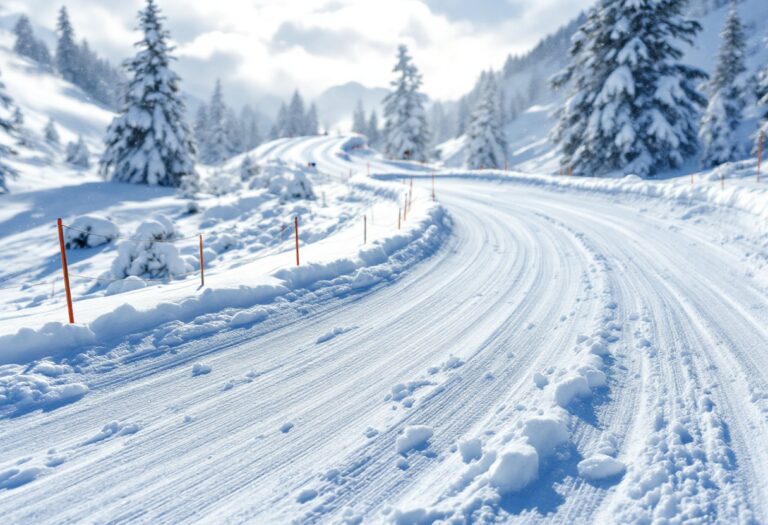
{"x":558,"y":350}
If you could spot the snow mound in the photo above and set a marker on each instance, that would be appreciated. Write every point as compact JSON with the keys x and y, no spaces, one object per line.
{"x":415,"y":437}
{"x":570,"y":388}
{"x":600,"y":466}
{"x":546,"y":433}
{"x":515,"y":468}
{"x":288,"y":181}
{"x":199,"y":369}
{"x":125,"y":285}
{"x":88,"y":231}
{"x":40,"y":388}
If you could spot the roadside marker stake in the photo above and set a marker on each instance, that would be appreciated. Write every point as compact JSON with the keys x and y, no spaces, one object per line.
{"x":433,"y":183}
{"x":202,"y":263}
{"x":405,"y":208}
{"x":398,"y":218}
{"x":296,"y":232}
{"x":64,"y":268}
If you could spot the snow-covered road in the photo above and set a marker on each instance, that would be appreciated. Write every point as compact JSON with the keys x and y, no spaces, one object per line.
{"x":299,"y":417}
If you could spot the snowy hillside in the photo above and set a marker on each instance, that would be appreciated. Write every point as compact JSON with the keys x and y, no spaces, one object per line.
{"x":42,"y":96}
{"x":530,"y":147}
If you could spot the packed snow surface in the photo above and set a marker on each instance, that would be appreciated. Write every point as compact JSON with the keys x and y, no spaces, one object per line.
{"x":527,"y":349}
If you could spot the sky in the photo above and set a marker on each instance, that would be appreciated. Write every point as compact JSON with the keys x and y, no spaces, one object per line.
{"x":268,"y":47}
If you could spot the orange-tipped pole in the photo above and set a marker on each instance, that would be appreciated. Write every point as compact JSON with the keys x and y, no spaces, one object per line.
{"x":365,"y":229}
{"x":399,"y":212}
{"x":63,"y":248}
{"x":296,"y":233}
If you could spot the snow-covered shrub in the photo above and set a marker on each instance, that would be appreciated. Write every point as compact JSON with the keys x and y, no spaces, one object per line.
{"x":149,"y":252}
{"x":287,"y":181}
{"x":78,"y":154}
{"x":50,"y":133}
{"x":249,"y":170}
{"x":222,"y":183}
{"x":89,"y":231}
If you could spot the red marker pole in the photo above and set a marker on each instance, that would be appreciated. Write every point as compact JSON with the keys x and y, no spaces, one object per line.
{"x":398,"y":218}
{"x":202,"y":263}
{"x":64,"y":269}
{"x":296,"y":231}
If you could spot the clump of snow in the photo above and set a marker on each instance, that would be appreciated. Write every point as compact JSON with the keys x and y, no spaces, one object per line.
{"x":199,"y":369}
{"x":287,"y":181}
{"x":114,"y":428}
{"x":415,"y":437}
{"x":330,"y":334}
{"x":128,"y":284}
{"x":149,"y":252}
{"x":306,"y":495}
{"x":515,"y":468}
{"x":600,"y":466}
{"x":286,"y":427}
{"x":452,"y":363}
{"x":39,"y":388}
{"x":570,"y":388}
{"x":245,"y":317}
{"x":88,"y":231}
{"x":470,"y":449}
{"x":546,"y":433}
{"x":540,"y":380}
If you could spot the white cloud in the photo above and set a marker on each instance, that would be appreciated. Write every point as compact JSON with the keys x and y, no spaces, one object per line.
{"x":271,"y":46}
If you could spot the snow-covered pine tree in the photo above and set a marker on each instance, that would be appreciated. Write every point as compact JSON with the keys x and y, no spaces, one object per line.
{"x":633,"y":107}
{"x":250,"y":124}
{"x":200,"y":128}
{"x":405,"y":133}
{"x":296,"y":120}
{"x":312,"y":124}
{"x":18,"y":117}
{"x":372,"y":129}
{"x":726,"y":101}
{"x":235,"y":134}
{"x":762,"y":102}
{"x":217,"y":147}
{"x":462,"y":117}
{"x":78,"y":154}
{"x":358,"y":119}
{"x":149,"y":142}
{"x":7,"y":134}
{"x":278,"y":130}
{"x":486,"y":142}
{"x":50,"y":133}
{"x":67,"y":53}
{"x":27,"y":45}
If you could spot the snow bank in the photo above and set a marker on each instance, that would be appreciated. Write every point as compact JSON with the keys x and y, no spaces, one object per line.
{"x":600,"y":466}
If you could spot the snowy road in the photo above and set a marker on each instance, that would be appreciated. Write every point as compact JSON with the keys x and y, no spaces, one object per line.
{"x":305,"y":431}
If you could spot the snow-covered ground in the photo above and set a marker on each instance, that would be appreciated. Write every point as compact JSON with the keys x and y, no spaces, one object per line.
{"x":559,"y":349}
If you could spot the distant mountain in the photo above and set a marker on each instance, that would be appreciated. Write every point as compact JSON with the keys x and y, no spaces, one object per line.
{"x":336,"y":104}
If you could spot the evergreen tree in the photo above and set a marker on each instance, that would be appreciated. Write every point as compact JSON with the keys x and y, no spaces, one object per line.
{"x":762,"y":102}
{"x":78,"y":154}
{"x":200,"y":127}
{"x":217,"y":147}
{"x":18,"y":117}
{"x":358,"y":119}
{"x":486,"y":143}
{"x":235,"y":133}
{"x":149,"y":142}
{"x":250,"y":125}
{"x":462,"y":118}
{"x":7,"y":128}
{"x":405,"y":132}
{"x":726,"y":104}
{"x":279,"y":129}
{"x":67,"y":54}
{"x":27,"y":45}
{"x":313,"y":126}
{"x":372,"y":130}
{"x":50,"y":133}
{"x":633,"y":106}
{"x":296,"y":120}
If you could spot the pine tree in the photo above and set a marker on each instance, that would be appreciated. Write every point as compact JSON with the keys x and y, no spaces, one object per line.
{"x":9,"y":129}
{"x":18,"y":117}
{"x":726,"y":104}
{"x":372,"y":130}
{"x":312,"y":125}
{"x":51,"y":134}
{"x":78,"y":154}
{"x":235,"y":133}
{"x":762,"y":102}
{"x":217,"y":147}
{"x":358,"y":119}
{"x":633,"y":107}
{"x":462,"y":117}
{"x":250,"y":125}
{"x":486,"y":142}
{"x":279,"y":129}
{"x":405,"y":132}
{"x":200,"y":128}
{"x":67,"y":54}
{"x":149,"y":142}
{"x":296,"y":121}
{"x":27,"y":45}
